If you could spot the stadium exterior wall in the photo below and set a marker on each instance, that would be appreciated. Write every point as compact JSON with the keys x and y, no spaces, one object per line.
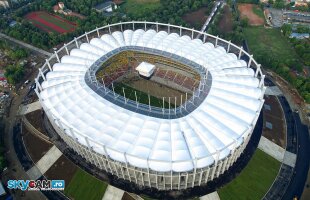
{"x":146,"y":177}
{"x":140,"y":176}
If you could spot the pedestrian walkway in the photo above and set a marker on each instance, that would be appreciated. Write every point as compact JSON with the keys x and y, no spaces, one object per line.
{"x":30,"y":108}
{"x":44,"y":163}
{"x":34,"y":173}
{"x":273,"y":90}
{"x":211,"y":196}
{"x":33,"y":48}
{"x":289,"y":159}
{"x":277,"y":152}
{"x":113,"y":193}
{"x":271,"y":148}
{"x":209,"y":19}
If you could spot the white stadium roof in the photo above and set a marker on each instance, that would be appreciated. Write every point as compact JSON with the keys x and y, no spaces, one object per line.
{"x":221,"y":122}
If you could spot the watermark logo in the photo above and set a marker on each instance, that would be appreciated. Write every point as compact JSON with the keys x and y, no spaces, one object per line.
{"x":58,"y":184}
{"x":34,"y":185}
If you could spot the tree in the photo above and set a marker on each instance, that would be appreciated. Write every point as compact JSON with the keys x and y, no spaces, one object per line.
{"x":18,"y":54}
{"x":302,"y":29}
{"x":14,"y":73}
{"x":244,"y":22}
{"x":279,"y":4}
{"x":286,"y":29}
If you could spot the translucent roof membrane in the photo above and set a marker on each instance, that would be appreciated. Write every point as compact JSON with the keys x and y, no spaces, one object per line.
{"x":207,"y":133}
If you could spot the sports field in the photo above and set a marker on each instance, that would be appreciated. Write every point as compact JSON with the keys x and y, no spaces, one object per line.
{"x":141,"y":96}
{"x":255,"y":179}
{"x":50,"y":23}
{"x":84,"y":186}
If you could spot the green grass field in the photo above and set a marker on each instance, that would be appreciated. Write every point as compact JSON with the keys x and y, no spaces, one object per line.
{"x":141,"y":96}
{"x":84,"y":186}
{"x":269,"y":42}
{"x":254,"y":181}
{"x":140,"y":7}
{"x":258,"y":11}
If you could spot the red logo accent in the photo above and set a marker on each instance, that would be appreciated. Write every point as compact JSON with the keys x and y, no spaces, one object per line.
{"x":32,"y":184}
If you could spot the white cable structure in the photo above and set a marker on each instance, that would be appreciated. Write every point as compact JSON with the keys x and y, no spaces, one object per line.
{"x":164,"y":153}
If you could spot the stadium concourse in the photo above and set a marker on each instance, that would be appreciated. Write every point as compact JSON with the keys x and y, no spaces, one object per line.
{"x":144,"y":146}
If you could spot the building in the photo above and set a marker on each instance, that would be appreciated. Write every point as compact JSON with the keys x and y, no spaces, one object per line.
{"x":296,"y":17}
{"x":118,"y":2}
{"x":3,"y":80}
{"x":60,"y":8}
{"x":4,"y":4}
{"x":61,"y":5}
{"x":2,"y":190}
{"x":146,"y":69}
{"x":105,"y":7}
{"x":299,"y":35}
{"x":268,"y":17}
{"x":301,"y":3}
{"x":13,"y":23}
{"x":171,"y":148}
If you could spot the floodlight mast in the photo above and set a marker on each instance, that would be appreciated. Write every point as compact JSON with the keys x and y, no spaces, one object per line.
{"x":163,"y":105}
{"x":149,"y":102}
{"x":105,"y":89}
{"x":113,"y":90}
{"x":124,"y":96}
{"x":136,"y":99}
{"x":175,"y":105}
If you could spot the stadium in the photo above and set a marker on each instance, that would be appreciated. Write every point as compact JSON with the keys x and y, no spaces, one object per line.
{"x":159,"y":105}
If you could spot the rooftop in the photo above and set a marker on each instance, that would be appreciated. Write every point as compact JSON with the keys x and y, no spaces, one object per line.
{"x":220,"y":123}
{"x":104,"y":5}
{"x":145,"y":69}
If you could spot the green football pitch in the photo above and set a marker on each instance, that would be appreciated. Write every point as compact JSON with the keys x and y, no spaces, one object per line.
{"x":142,"y":97}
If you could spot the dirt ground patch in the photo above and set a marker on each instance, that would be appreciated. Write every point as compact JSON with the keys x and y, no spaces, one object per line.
{"x":197,"y":17}
{"x":127,"y":196}
{"x":35,"y":118}
{"x":273,"y":114}
{"x":36,"y":147}
{"x":63,"y":169}
{"x":225,"y":24}
{"x":246,"y":11}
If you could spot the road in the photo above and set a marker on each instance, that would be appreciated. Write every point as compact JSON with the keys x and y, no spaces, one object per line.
{"x":28,"y":46}
{"x":15,"y":170}
{"x":297,"y":142}
{"x":296,"y":185}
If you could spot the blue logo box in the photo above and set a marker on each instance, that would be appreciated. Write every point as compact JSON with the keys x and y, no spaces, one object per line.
{"x":58,"y":184}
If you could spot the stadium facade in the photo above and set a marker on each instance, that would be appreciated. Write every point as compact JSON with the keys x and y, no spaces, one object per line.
{"x":190,"y":148}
